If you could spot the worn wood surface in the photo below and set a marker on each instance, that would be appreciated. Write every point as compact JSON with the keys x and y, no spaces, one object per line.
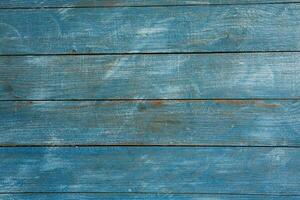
{"x":151,"y":169}
{"x":215,"y":28}
{"x":78,"y":119}
{"x":124,"y":196}
{"x":253,"y":75}
{"x":111,"y":3}
{"x":194,"y":122}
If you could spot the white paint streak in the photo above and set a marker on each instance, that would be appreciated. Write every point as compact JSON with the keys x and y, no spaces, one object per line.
{"x":51,"y":161}
{"x":9,"y":31}
{"x":148,"y":31}
{"x":64,"y":13}
{"x":116,"y":69}
{"x":278,"y":156}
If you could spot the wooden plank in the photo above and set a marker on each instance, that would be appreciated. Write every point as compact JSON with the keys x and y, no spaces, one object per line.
{"x":216,"y":28}
{"x":230,"y":76}
{"x":112,"y":3}
{"x":193,"y":122}
{"x":151,"y":169}
{"x":76,"y":196}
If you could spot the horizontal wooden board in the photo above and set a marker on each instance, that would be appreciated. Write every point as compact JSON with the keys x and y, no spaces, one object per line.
{"x":151,"y":169}
{"x":216,"y":28}
{"x":208,"y":76}
{"x":76,"y":196}
{"x":220,"y":122}
{"x":111,"y":3}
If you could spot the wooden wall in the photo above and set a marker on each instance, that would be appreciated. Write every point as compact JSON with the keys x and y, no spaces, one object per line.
{"x":144,"y":100}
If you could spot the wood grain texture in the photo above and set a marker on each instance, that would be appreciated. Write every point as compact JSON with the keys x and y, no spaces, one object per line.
{"x":205,"y":76}
{"x":194,"y":122}
{"x":263,"y":75}
{"x":125,"y":196}
{"x":111,"y":3}
{"x":135,"y":51}
{"x":216,"y":28}
{"x":151,"y":169}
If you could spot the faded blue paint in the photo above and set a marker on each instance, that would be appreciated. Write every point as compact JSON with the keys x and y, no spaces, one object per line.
{"x":125,"y":196}
{"x":111,"y":3}
{"x":151,"y":122}
{"x":151,"y":169}
{"x":254,"y":75}
{"x":218,"y":28}
{"x":246,"y":170}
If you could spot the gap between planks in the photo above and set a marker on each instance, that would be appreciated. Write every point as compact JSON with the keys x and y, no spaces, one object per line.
{"x":137,"y":6}
{"x":155,"y":193}
{"x":141,"y":100}
{"x":144,"y":53}
{"x":144,"y":145}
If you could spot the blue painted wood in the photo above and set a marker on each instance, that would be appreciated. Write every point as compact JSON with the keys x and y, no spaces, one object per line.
{"x":195,"y":122}
{"x":93,"y":3}
{"x":255,"y":75}
{"x":151,"y":29}
{"x":125,"y":196}
{"x":143,"y":172}
{"x":151,"y":169}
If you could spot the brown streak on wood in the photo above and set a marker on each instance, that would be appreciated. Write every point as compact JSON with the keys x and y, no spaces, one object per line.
{"x":157,"y":103}
{"x":247,"y":102}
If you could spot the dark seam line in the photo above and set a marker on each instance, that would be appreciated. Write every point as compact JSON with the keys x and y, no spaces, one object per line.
{"x":147,"y":146}
{"x":145,"y":6}
{"x":148,"y":53}
{"x":156,"y":193}
{"x":139,"y":100}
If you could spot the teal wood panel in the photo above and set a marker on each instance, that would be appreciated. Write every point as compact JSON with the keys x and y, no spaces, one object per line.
{"x":93,"y":3}
{"x":151,"y":169}
{"x":125,"y":196}
{"x":188,"y":122}
{"x":218,"y":28}
{"x":180,"y":76}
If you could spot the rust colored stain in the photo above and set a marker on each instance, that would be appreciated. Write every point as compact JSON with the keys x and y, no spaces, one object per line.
{"x":235,"y":102}
{"x":247,"y":102}
{"x":268,"y":105}
{"x":157,"y":103}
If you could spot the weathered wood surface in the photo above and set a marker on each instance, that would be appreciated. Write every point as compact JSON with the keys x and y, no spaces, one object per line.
{"x":238,"y":149}
{"x":151,"y":169}
{"x":215,"y":28}
{"x":111,"y":3}
{"x":253,"y":75}
{"x":194,"y":122}
{"x":124,"y":196}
